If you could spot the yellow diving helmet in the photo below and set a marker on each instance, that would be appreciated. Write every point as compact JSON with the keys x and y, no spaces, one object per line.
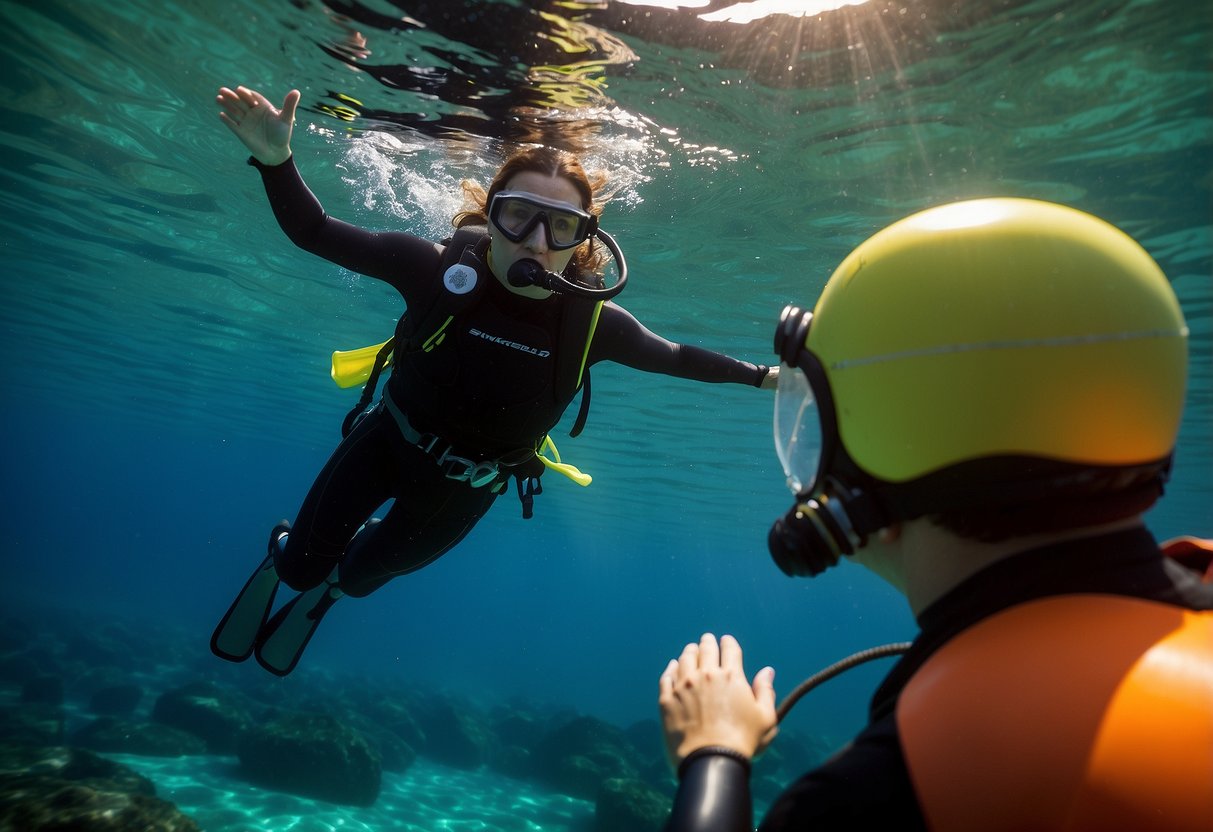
{"x":983,"y":332}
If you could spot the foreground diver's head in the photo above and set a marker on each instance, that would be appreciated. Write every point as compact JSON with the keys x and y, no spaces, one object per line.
{"x":1002,"y":366}
{"x":539,"y":206}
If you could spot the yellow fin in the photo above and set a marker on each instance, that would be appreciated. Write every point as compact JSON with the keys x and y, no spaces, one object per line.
{"x":353,"y":367}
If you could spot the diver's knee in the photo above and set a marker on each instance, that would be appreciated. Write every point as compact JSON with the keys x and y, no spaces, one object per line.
{"x":363,"y":537}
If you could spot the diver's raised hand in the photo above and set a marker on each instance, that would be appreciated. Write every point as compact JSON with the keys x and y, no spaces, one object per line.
{"x":705,"y":701}
{"x":264,"y":129}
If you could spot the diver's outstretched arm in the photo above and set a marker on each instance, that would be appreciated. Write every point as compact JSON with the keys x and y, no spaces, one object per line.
{"x":263,"y":128}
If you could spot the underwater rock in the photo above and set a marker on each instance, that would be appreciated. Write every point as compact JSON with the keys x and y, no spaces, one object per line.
{"x":455,"y":735}
{"x":48,"y":804}
{"x":394,"y":710}
{"x":516,"y":728}
{"x":206,"y":711}
{"x":312,"y":755}
{"x":71,"y":764}
{"x":379,"y":714}
{"x":630,"y":805}
{"x":647,"y":738}
{"x":148,"y":739}
{"x":115,"y":700}
{"x":56,"y":789}
{"x":395,"y":754}
{"x":513,"y":761}
{"x":578,"y":757}
{"x":32,"y":725}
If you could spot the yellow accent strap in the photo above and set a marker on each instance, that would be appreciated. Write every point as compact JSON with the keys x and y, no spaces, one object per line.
{"x":353,"y":367}
{"x":554,"y":463}
{"x":439,"y":334}
{"x":585,"y":354}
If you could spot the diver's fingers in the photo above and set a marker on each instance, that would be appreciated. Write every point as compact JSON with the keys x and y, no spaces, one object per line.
{"x":230,"y":123}
{"x":688,"y":661}
{"x":230,"y":102}
{"x":764,"y":696}
{"x":665,"y":684}
{"x":764,"y":689}
{"x":288,"y":106}
{"x":730,"y":654}
{"x":251,"y":97}
{"x":709,"y":652}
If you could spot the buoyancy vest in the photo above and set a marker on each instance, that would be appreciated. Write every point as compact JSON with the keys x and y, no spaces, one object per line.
{"x":465,"y":276}
{"x":462,"y":276}
{"x":1073,"y":712}
{"x":467,"y":247}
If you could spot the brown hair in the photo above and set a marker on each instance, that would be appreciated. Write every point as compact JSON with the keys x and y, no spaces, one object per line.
{"x":587,"y":259}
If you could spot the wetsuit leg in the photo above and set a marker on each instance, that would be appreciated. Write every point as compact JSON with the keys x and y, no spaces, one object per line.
{"x":356,"y":480}
{"x":430,"y":515}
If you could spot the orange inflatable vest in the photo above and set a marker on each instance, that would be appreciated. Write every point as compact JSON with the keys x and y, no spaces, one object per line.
{"x":1075,"y":712}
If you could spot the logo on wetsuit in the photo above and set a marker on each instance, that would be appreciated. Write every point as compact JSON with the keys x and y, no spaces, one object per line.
{"x":512,"y":344}
{"x":459,"y":279}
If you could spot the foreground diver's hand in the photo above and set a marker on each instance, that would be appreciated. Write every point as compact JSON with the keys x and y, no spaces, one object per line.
{"x":264,"y":129}
{"x":705,"y":700}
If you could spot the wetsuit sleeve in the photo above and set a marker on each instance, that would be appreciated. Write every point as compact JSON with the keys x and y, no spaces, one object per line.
{"x":393,"y":256}
{"x":713,"y":795}
{"x":624,"y":340}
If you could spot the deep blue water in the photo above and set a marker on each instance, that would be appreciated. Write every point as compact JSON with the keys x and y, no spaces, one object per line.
{"x":165,"y":349}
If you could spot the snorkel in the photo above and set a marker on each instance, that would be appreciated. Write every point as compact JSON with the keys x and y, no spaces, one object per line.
{"x":528,"y":272}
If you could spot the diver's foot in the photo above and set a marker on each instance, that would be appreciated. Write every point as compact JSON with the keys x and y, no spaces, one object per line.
{"x":278,"y":537}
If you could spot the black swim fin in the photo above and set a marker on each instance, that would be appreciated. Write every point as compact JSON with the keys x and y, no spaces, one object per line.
{"x":283,"y":638}
{"x":236,"y":634}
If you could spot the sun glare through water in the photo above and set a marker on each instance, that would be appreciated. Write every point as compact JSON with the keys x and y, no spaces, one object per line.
{"x":753,"y":10}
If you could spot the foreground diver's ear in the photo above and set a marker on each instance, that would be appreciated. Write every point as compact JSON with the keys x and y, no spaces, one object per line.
{"x":889,"y":534}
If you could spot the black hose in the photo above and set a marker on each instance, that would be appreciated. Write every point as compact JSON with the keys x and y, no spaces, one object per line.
{"x":833,"y":670}
{"x":528,"y":272}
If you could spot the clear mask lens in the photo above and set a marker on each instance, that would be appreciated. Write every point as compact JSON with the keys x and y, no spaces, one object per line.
{"x":797,"y":427}
{"x":517,"y":215}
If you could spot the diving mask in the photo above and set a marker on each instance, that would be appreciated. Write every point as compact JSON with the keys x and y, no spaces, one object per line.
{"x":819,"y":528}
{"x":516,"y":213}
{"x":797,"y":427}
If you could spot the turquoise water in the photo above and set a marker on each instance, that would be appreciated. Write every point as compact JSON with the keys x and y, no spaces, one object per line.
{"x":166,"y":349}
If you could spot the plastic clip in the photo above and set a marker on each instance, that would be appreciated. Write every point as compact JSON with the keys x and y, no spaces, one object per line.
{"x":528,"y":487}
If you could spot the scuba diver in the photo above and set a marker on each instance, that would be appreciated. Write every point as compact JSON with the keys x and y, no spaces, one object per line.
{"x":503,"y":322}
{"x":991,"y":456}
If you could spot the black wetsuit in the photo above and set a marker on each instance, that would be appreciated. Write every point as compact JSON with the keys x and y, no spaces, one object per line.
{"x":867,"y":784}
{"x":488,"y":391}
